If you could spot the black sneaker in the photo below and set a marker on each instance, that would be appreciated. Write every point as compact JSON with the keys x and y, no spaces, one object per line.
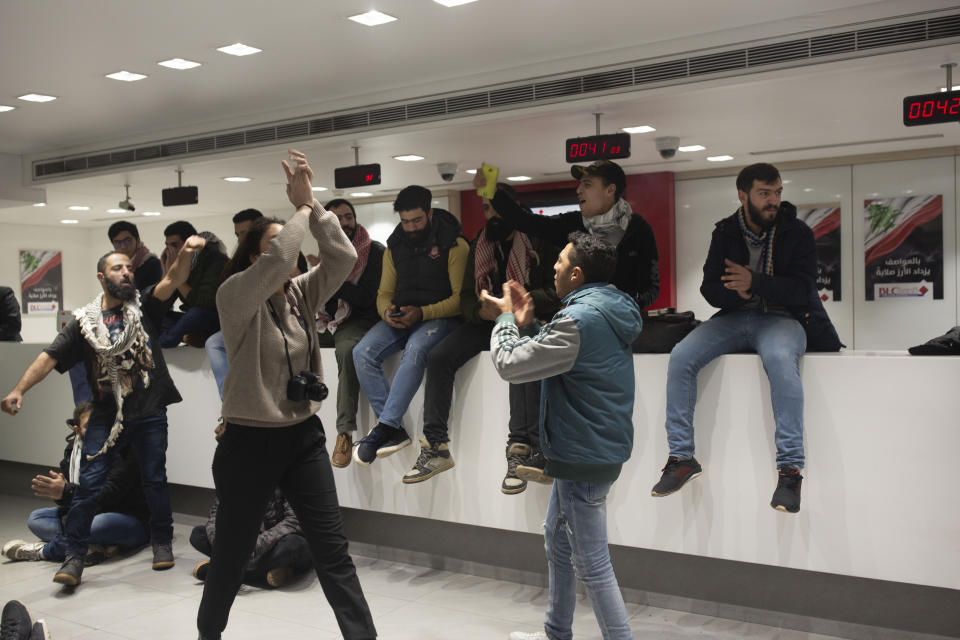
{"x":517,"y":453}
{"x":15,"y":623}
{"x":433,"y":459}
{"x":380,"y":443}
{"x":200,"y":571}
{"x":39,"y":631}
{"x":675,"y":475}
{"x":786,"y":497}
{"x":70,"y":571}
{"x":531,"y":469}
{"x":162,"y":555}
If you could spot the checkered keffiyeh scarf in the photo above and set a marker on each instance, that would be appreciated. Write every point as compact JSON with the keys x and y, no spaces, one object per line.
{"x":765,"y":239}
{"x":518,"y":262}
{"x":121,"y":362}
{"x":326,"y":322}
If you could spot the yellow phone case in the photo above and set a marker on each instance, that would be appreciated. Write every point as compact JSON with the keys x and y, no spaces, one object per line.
{"x":490,"y":174}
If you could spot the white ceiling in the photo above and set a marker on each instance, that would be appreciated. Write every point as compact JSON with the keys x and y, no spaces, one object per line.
{"x":315,"y":61}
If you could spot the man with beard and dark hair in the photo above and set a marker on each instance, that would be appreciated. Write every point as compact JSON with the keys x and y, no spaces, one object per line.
{"x":761,"y":272}
{"x":346,"y":318}
{"x":498,"y":254}
{"x":419,"y":303}
{"x":116,"y":338}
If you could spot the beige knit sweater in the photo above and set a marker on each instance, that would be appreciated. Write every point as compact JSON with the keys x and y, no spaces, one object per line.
{"x":255,"y":389}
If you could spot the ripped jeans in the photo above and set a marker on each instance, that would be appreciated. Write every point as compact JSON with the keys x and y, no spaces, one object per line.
{"x":575,"y":534}
{"x":390,"y":402}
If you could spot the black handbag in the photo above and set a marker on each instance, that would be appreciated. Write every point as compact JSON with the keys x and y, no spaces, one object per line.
{"x":662,"y":329}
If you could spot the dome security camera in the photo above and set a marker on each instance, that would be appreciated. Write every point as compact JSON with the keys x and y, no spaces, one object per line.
{"x":447,"y":170}
{"x":667,"y":146}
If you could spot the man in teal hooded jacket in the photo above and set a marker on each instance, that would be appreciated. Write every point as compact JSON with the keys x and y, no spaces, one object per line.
{"x":584,"y":359}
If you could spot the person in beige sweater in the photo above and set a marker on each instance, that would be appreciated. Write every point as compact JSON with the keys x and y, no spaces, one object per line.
{"x":273,"y":437}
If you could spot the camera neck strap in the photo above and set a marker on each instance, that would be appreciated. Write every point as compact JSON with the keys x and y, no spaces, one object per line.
{"x":286,"y":346}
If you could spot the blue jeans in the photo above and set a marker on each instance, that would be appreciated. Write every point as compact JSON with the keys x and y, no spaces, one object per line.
{"x":149,"y":439}
{"x":217,"y":354}
{"x":193,"y":320}
{"x":382,"y":341}
{"x":779,"y":340}
{"x":120,"y":529}
{"x":576,"y":542}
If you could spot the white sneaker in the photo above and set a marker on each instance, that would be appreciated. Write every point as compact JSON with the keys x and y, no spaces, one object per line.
{"x":523,"y":635}
{"x":23,"y":550}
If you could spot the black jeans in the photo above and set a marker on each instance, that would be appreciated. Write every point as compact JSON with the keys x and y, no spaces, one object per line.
{"x":445,"y":359}
{"x":248,"y":464}
{"x":291,"y":551}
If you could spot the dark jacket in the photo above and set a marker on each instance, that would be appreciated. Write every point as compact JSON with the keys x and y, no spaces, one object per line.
{"x":422,"y":274}
{"x":362,"y":297}
{"x":792,"y":285}
{"x":278,"y":521}
{"x":205,"y":277}
{"x":9,"y":316}
{"x":122,"y":491}
{"x":148,"y":273}
{"x":637,"y":273}
{"x":539,"y":283}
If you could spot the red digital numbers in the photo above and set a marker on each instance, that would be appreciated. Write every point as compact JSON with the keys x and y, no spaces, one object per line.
{"x":935,"y":108}
{"x":368,"y":177}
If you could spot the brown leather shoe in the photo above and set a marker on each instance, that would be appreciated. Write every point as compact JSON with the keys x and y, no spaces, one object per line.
{"x":342,"y":450}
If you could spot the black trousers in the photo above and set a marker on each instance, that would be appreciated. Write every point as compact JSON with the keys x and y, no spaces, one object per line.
{"x":451,"y":353}
{"x":248,"y":464}
{"x":291,"y":551}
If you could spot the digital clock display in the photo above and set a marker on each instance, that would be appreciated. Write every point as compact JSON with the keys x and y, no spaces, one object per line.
{"x":931,"y":108}
{"x":359,"y":175}
{"x":605,"y":147}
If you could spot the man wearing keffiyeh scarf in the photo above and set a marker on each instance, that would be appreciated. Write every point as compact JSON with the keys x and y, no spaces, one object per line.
{"x":761,"y":272}
{"x":115,"y":339}
{"x":498,"y":254}
{"x":344,"y":320}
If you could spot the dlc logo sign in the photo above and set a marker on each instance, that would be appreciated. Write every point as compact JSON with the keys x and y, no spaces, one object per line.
{"x":904,"y":290}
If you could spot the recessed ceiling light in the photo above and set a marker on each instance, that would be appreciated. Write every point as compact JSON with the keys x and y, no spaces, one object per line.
{"x":519,"y":178}
{"x":79,"y":207}
{"x":691,"y":147}
{"x":179,"y":64}
{"x":408,"y":158}
{"x":372,"y":18}
{"x":453,"y":3}
{"x":5,"y":107}
{"x":36,"y":97}
{"x":719,"y":158}
{"x":237,"y":179}
{"x":69,"y":221}
{"x":361,"y":194}
{"x":874,"y":195}
{"x":151,"y":213}
{"x":319,"y":188}
{"x":472,"y":172}
{"x":116,"y":210}
{"x":126,"y":76}
{"x":641,"y":129}
{"x":239,"y":49}
{"x":787,"y":181}
{"x":808,"y":190}
{"x":953,"y":88}
{"x":39,"y":204}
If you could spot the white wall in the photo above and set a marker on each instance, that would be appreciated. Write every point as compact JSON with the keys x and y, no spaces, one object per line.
{"x":889,"y":324}
{"x":878,"y":497}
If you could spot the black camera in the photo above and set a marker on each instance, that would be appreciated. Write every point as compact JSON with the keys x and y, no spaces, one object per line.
{"x":306,"y":386}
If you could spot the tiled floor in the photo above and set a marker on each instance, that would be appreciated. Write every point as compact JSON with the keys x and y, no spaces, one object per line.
{"x":125,"y":599}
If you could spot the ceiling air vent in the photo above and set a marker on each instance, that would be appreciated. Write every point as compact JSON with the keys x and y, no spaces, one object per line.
{"x":833,"y":44}
{"x":350,"y":121}
{"x":76,"y":164}
{"x":512,"y":95}
{"x":293,"y":130}
{"x":608,"y":80}
{"x":323,"y":125}
{"x":778,"y":52}
{"x":660,"y":72}
{"x":123,"y":157}
{"x":148,"y":153}
{"x":101,"y":160}
{"x":173,"y":149}
{"x":468,"y":102}
{"x":945,"y":27}
{"x":264,"y":134}
{"x":427,"y":109}
{"x":50,"y":168}
{"x":203,"y":144}
{"x":388,"y":114}
{"x":892,"y":34}
{"x":725,"y":61}
{"x":228,"y":140}
{"x":558,"y":88}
